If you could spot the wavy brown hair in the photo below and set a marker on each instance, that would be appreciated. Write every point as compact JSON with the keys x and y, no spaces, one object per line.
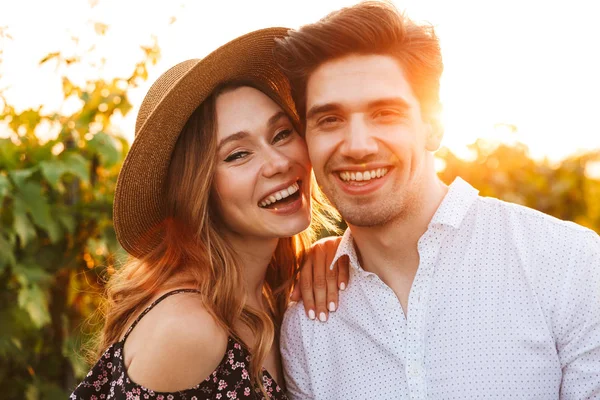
{"x":370,"y":27}
{"x":194,"y":253}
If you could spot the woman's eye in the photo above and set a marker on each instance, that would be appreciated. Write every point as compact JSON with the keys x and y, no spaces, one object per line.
{"x":236,"y":156}
{"x":282,"y":135}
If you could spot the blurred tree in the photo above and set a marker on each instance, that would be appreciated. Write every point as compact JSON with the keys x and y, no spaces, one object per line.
{"x":507,"y":172}
{"x":56,"y":234}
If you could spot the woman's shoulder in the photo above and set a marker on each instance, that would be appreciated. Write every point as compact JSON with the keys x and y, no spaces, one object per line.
{"x":175,"y":346}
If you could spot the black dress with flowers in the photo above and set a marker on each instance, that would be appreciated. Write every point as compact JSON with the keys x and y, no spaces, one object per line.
{"x":108,"y":379}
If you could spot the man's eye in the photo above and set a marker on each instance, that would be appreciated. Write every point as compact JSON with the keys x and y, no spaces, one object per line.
{"x":283,"y":135}
{"x":236,"y":156}
{"x":328,"y":120}
{"x":387,"y":114}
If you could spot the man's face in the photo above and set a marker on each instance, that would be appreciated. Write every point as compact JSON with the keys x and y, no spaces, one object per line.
{"x":367,"y":140}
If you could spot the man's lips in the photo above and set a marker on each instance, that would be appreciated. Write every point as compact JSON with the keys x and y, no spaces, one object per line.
{"x":361,"y":181}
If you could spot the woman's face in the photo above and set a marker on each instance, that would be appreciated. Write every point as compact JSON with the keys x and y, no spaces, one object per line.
{"x":262,"y":181}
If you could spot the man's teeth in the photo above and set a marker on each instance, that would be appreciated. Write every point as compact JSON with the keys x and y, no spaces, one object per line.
{"x":364,"y":175}
{"x":282,"y":194}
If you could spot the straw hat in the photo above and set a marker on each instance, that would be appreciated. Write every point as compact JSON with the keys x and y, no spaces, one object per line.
{"x":138,"y":205}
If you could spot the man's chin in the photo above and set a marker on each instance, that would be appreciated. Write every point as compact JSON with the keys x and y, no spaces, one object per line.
{"x":364,"y":216}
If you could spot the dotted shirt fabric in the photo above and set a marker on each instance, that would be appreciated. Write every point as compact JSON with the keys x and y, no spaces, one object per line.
{"x":505,"y":305}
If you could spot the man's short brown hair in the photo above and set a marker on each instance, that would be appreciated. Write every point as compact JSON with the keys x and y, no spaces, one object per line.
{"x":366,"y":28}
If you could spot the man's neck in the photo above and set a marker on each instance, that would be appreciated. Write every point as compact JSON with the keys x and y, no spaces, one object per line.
{"x":393,"y":246}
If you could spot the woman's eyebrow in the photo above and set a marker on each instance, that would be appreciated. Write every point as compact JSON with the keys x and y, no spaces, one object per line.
{"x":232,"y":138}
{"x":275,"y":118}
{"x":243,"y":134}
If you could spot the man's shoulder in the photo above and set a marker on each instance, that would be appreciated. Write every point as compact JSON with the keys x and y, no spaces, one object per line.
{"x":295,"y":319}
{"x":520,"y":216}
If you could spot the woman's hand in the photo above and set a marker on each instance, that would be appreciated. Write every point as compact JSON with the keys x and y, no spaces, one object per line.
{"x":317,"y":284}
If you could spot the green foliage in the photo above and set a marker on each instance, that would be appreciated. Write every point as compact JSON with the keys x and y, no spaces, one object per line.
{"x":56,"y":234}
{"x":507,"y":172}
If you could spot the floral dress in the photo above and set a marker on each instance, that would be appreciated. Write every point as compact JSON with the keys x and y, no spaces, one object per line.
{"x":108,"y":378}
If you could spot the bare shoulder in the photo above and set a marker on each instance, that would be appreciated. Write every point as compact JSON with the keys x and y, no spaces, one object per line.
{"x":176,"y":345}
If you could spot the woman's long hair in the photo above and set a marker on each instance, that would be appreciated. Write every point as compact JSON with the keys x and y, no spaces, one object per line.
{"x":193,"y":247}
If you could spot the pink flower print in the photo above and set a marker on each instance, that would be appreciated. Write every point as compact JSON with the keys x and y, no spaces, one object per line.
{"x":218,"y":396}
{"x":222,"y":384}
{"x":244,"y":374}
{"x":93,"y":397}
{"x":170,"y":397}
{"x":231,"y":395}
{"x":194,"y":398}
{"x":247,"y":391}
{"x":237,"y":346}
{"x":160,"y":397}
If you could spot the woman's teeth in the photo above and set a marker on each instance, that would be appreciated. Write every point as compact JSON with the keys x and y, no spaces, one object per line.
{"x":282,"y":194}
{"x":363,"y":176}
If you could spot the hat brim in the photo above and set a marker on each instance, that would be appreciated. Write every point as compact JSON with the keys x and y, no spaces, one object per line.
{"x":139,"y":199}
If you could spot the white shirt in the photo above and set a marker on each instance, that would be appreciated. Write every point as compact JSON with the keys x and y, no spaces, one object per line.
{"x":505,"y":305}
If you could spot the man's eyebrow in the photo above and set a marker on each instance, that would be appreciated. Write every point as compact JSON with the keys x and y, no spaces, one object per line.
{"x":322,"y":108}
{"x":390,"y":102}
{"x":243,"y":134}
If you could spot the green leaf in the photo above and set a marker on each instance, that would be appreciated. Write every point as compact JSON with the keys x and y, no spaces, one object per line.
{"x":67,"y":221}
{"x":53,"y":171}
{"x":28,"y":272}
{"x":77,"y":165}
{"x":22,"y":225}
{"x":33,"y":300}
{"x":21,"y":175}
{"x":7,"y":258}
{"x":104,"y":145}
{"x":9,"y":154}
{"x":5,"y":187}
{"x":33,"y":199}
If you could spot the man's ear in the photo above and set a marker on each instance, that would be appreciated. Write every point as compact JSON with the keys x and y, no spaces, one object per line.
{"x":435,"y":133}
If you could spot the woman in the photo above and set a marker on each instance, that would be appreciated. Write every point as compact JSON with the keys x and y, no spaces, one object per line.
{"x":213,"y":202}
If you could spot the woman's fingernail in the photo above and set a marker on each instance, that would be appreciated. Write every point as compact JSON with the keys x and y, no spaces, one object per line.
{"x":342,"y":286}
{"x":322,"y":317}
{"x":332,"y":306}
{"x":311,"y":314}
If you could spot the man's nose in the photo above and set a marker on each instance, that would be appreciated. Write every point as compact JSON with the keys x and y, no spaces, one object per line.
{"x":358,"y":142}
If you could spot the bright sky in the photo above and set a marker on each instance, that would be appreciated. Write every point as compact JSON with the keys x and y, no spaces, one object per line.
{"x":530,"y":63}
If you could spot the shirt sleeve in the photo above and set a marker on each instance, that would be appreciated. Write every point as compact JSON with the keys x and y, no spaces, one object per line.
{"x":295,"y":364}
{"x":578,"y":323}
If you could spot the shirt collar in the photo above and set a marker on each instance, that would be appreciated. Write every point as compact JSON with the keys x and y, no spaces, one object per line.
{"x":451,"y":212}
{"x":455,"y":205}
{"x":346,"y":248}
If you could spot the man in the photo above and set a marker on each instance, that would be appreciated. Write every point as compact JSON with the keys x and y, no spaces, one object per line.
{"x":451,"y":295}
